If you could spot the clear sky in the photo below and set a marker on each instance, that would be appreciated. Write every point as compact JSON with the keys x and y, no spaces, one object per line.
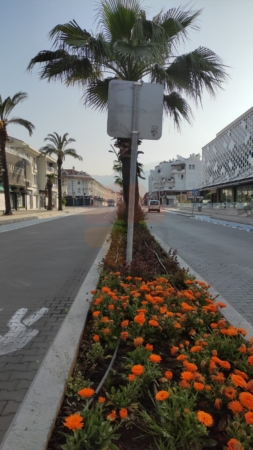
{"x":225,"y":28}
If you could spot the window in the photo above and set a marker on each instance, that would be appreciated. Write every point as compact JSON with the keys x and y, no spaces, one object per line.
{"x":193,"y":166}
{"x":190,"y":166}
{"x":182,"y":176}
{"x":79,"y":190}
{"x":78,"y":182}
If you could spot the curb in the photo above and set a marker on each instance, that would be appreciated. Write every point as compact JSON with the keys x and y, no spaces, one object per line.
{"x":33,"y":423}
{"x":230,"y":313}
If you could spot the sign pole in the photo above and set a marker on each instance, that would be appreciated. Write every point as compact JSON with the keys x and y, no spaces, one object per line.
{"x":134,"y":147}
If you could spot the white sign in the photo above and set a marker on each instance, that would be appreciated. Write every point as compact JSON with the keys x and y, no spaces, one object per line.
{"x":20,"y":331}
{"x":120,"y":110}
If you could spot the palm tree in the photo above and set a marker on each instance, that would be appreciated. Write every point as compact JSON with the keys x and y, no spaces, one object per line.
{"x":49,"y":185}
{"x":58,"y":147}
{"x":128,"y":46}
{"x":6,"y":107}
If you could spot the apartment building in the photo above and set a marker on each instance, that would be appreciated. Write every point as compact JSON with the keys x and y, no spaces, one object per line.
{"x":178,"y":176}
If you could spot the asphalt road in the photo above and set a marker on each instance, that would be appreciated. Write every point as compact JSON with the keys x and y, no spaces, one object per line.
{"x":222,"y":255}
{"x":42,"y":267}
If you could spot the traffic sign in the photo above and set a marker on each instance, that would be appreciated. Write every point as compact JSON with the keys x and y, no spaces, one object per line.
{"x":195,"y":192}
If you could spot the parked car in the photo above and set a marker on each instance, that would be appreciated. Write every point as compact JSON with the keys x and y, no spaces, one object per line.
{"x":154,"y":205}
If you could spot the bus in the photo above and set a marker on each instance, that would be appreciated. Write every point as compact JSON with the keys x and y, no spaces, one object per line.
{"x":110,"y":202}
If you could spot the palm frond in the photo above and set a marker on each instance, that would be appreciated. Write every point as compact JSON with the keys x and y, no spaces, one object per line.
{"x":19,"y":97}
{"x":72,"y":152}
{"x":71,"y":34}
{"x":49,"y":150}
{"x":96,"y":94}
{"x":177,"y":108}
{"x":176,"y":21}
{"x":142,"y":50}
{"x":25,"y":123}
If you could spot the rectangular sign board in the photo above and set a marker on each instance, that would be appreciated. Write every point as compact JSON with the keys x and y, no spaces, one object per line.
{"x":120,"y":109}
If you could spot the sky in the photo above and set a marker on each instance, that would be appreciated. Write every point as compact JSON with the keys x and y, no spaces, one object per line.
{"x":225,"y":27}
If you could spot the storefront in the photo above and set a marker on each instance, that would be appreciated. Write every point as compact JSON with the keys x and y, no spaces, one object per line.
{"x":244,"y":193}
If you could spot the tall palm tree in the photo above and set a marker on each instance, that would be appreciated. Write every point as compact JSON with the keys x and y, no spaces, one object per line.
{"x":6,"y":107}
{"x":49,"y":187}
{"x":128,"y":46}
{"x":58,"y":147}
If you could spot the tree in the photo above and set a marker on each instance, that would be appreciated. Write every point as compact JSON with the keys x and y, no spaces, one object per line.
{"x":6,"y":107}
{"x":129,"y":46}
{"x":49,"y":186}
{"x":58,"y":147}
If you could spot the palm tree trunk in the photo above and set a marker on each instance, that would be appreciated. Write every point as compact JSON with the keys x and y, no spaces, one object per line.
{"x":59,"y":164}
{"x":49,"y":187}
{"x":5,"y":176}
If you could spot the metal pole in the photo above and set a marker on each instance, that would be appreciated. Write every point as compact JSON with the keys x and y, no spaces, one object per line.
{"x":134,"y":146}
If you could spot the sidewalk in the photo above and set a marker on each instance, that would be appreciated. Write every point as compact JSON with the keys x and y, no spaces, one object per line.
{"x":20,"y":216}
{"x":245,"y":220}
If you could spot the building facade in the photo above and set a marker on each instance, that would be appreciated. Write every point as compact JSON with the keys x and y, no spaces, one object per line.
{"x":80,"y":189}
{"x":175,"y":177}
{"x":27,"y":170}
{"x":228,"y":162}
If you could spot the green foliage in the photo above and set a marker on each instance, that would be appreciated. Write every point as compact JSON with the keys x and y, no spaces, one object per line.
{"x":124,"y":396}
{"x":75,"y":383}
{"x":96,"y":352}
{"x":96,"y":433}
{"x":63,"y":201}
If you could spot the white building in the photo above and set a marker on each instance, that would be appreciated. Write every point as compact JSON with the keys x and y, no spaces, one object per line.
{"x":228,"y":162}
{"x":27,"y":170}
{"x":79,"y":188}
{"x":171,"y":178}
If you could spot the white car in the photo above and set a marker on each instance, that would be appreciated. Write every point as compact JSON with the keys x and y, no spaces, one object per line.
{"x":154,"y":205}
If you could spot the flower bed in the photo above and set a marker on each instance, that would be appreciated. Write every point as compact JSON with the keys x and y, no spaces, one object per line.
{"x":182,"y":378}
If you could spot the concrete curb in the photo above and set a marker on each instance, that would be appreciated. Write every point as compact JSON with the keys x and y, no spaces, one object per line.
{"x":33,"y":423}
{"x":230,"y":314}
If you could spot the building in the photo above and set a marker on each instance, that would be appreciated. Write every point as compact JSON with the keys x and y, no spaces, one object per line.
{"x":175,"y":177}
{"x":47,"y":166}
{"x":27,"y":169}
{"x":228,"y":162}
{"x":79,"y":188}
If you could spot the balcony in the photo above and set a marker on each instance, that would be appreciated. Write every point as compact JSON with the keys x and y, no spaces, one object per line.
{"x":178,"y":171}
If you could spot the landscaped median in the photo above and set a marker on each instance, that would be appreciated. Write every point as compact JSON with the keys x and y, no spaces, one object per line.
{"x":180,"y":376}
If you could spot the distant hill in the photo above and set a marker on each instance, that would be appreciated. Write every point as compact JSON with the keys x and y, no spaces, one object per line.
{"x":108,"y":180}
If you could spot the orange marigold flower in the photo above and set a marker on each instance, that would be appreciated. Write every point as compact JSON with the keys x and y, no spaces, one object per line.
{"x":217,"y":403}
{"x":184,"y":384}
{"x":86,"y":392}
{"x":221,"y":304}
{"x":106,"y":331}
{"x":138,"y":341}
{"x":117,"y":273}
{"x":140,"y":319}
{"x":249,"y":418}
{"x":96,"y":313}
{"x":162,"y":395}
{"x":192,"y":332}
{"x":123,"y":413}
{"x":131,"y":377}
{"x":190,"y":366}
{"x":124,"y":335}
{"x":169,"y":314}
{"x":93,"y":291}
{"x":125,"y":323}
{"x":163,"y":309}
{"x":142,"y":311}
{"x":155,"y":358}
{"x":231,"y":331}
{"x":153,"y":323}
{"x":230,"y":392}
{"x":173,"y":350}
{"x":198,"y":386}
{"x":144,"y":288}
{"x":242,"y":331}
{"x":129,"y":278}
{"x":101,"y":399}
{"x":221,"y":323}
{"x":250,"y":350}
{"x":187,"y":376}
{"x":218,"y":378}
{"x":234,"y":444}
{"x":235,"y":407}
{"x":74,"y":422}
{"x":181,"y":357}
{"x":250,"y":360}
{"x":188,"y":282}
{"x":208,"y":387}
{"x":177,"y":325}
{"x":98,"y":301}
{"x":112,"y":416}
{"x":205,"y":418}
{"x":214,"y":325}
{"x":187,"y":307}
{"x":96,"y":338}
{"x":242,"y":348}
{"x":168,"y":374}
{"x":242,"y":374}
{"x":105,"y":289}
{"x":111,"y":307}
{"x":238,"y":380}
{"x":137,"y":370}
{"x":196,"y":348}
{"x":225,"y":365}
{"x":246,"y":399}
{"x":249,"y":386}
{"x":104,"y":319}
{"x":149,"y":347}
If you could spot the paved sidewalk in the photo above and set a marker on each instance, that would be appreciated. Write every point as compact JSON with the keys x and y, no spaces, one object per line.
{"x":246,"y":220}
{"x":20,"y":216}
